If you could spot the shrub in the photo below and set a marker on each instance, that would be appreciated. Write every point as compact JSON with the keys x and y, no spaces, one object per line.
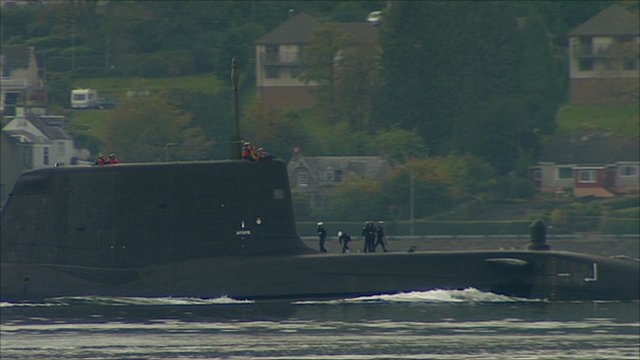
{"x":620,"y":226}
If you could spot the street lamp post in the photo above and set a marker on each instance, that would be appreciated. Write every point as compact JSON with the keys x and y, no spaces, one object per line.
{"x":235,"y":138}
{"x":411,"y":204}
{"x":166,"y":149}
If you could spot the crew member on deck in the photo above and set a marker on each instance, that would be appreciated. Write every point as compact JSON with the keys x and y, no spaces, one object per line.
{"x":248,"y":153}
{"x":344,"y":238}
{"x":112,"y":159}
{"x":263,"y":155}
{"x":379,"y":237}
{"x":322,"y":235}
{"x":369,"y":234}
{"x":100,"y":160}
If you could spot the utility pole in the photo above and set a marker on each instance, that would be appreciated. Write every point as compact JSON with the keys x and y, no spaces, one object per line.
{"x":73,"y":46}
{"x":236,"y":148}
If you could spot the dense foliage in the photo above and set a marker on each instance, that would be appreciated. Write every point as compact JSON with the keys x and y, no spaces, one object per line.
{"x":485,"y":84}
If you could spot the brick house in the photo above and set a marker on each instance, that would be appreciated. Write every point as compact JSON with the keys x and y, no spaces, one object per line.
{"x":603,"y":58}
{"x":31,"y":141}
{"x":279,"y":58}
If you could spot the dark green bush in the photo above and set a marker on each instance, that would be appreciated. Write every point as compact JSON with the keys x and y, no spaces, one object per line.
{"x":621,"y":226}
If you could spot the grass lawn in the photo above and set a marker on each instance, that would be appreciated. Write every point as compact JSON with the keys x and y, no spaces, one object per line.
{"x":117,"y":87}
{"x":620,"y":119}
{"x":88,"y":122}
{"x":92,"y":123}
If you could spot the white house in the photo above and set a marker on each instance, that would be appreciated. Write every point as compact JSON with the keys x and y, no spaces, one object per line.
{"x":31,"y":141}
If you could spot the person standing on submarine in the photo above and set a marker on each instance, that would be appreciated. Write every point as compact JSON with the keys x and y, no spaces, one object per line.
{"x":344,"y":238}
{"x":369,"y":235}
{"x":380,"y":237}
{"x":322,"y":235}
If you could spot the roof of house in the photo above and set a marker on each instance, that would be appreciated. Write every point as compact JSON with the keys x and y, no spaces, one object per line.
{"x":367,"y":167}
{"x":50,"y":126}
{"x":23,"y":137}
{"x":296,"y":30}
{"x":299,"y":28}
{"x":597,"y":148}
{"x":15,"y":57}
{"x":614,"y":20}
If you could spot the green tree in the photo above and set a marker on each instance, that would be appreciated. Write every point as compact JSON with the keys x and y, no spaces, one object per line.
{"x":357,"y":76}
{"x":150,"y":128}
{"x":355,"y":199}
{"x":277,"y":131}
{"x":399,"y":145}
{"x":319,"y":66}
{"x":210,"y":112}
{"x":485,"y":84}
{"x":431,"y":188}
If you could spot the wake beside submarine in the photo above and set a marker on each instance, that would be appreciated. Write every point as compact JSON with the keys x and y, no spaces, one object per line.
{"x":208,"y":229}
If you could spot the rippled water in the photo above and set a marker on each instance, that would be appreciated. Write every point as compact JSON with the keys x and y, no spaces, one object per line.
{"x":466,"y":324}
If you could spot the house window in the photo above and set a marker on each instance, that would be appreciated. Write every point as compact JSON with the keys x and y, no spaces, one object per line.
{"x":564,"y":172}
{"x":272,"y":52}
{"x":536,"y":174}
{"x":585,"y":64}
{"x":587,"y":176}
{"x":272,"y":73}
{"x":328,"y":175}
{"x":337,"y":176}
{"x":628,"y":171}
{"x":27,"y":157}
{"x":45,"y":155}
{"x":294,"y":73}
{"x":303,"y":179}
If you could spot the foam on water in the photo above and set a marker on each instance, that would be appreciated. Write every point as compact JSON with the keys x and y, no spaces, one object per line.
{"x":129,"y":301}
{"x":469,"y":295}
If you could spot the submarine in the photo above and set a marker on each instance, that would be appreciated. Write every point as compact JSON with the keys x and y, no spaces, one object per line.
{"x":207,"y":229}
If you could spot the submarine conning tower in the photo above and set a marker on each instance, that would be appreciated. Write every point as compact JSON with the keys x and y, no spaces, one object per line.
{"x":538,"y":240}
{"x":132,"y":215}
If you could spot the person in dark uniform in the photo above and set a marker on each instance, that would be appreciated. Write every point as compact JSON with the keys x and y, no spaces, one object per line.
{"x":369,"y":234}
{"x":344,"y":238}
{"x":322,"y":235}
{"x":380,"y":237}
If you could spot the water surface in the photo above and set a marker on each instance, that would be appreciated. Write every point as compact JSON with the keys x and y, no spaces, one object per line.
{"x":464,"y":324}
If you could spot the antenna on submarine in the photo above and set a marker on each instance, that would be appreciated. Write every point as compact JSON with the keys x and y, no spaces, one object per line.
{"x":236,"y":148}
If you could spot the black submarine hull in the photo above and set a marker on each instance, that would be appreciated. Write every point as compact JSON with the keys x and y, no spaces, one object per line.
{"x":211,"y":229}
{"x":524,"y":274}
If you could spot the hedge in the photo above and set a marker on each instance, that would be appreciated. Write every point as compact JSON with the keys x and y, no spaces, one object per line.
{"x":620,"y":226}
